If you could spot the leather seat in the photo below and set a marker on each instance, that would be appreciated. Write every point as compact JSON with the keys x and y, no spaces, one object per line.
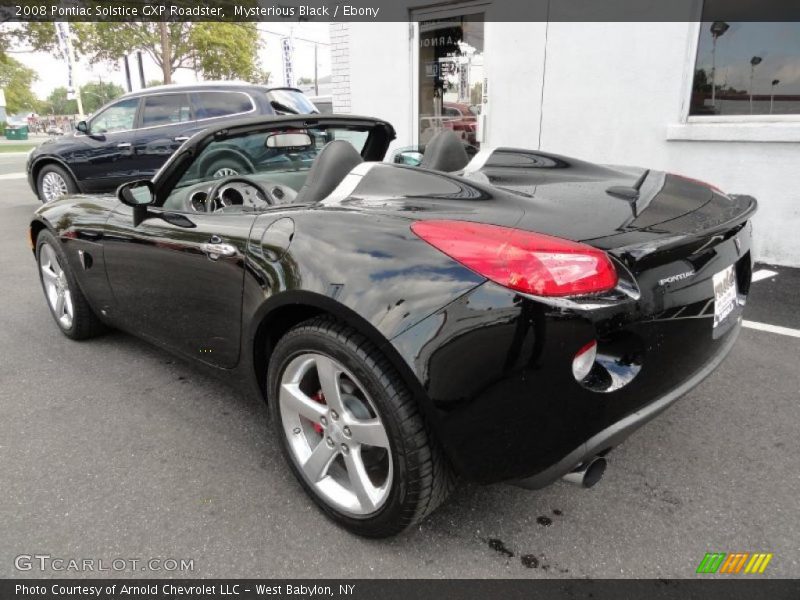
{"x":330,"y":167}
{"x":445,"y":152}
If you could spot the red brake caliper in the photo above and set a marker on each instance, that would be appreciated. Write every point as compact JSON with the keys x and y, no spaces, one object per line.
{"x":318,"y":397}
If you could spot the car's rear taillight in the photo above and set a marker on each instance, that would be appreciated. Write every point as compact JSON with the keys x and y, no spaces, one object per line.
{"x":528,"y":262}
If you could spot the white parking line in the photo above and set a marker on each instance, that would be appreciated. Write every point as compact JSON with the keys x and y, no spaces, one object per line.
{"x":763,"y":274}
{"x":771,"y":328}
{"x":19,"y":175}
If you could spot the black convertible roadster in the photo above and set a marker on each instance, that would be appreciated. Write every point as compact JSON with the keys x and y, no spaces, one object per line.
{"x":511,"y":316}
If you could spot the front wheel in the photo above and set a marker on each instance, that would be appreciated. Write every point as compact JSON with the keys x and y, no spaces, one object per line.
{"x":54,"y":182}
{"x":67,"y":304}
{"x":352,"y":432}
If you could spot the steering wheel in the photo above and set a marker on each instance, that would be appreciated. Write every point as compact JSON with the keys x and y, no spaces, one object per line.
{"x":261,"y":194}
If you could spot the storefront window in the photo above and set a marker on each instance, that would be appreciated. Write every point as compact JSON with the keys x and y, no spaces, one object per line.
{"x":747,"y":69}
{"x":451,"y":77}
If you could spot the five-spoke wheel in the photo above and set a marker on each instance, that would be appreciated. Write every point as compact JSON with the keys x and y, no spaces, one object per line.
{"x":352,"y":431}
{"x":66,"y":301}
{"x":56,"y":287}
{"x":335,"y":434}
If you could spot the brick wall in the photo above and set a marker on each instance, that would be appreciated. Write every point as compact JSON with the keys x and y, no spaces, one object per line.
{"x":340,"y":67}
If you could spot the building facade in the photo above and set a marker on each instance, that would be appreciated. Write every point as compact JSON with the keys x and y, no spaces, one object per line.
{"x":717,"y":101}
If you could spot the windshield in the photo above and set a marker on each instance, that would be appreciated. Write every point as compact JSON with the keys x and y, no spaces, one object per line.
{"x":290,"y":102}
{"x":273,"y":155}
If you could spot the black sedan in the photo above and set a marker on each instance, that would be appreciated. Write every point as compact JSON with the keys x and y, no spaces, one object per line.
{"x":509,"y":317}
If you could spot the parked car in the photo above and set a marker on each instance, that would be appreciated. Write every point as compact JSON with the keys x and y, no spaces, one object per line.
{"x":512,"y":317}
{"x":134,"y":135}
{"x":462,"y":120}
{"x":54,"y":130}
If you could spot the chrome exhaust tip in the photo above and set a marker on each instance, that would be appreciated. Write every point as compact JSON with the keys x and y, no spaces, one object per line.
{"x":587,"y":473}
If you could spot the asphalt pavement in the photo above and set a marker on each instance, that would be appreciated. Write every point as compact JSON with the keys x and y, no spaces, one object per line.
{"x":111,"y":448}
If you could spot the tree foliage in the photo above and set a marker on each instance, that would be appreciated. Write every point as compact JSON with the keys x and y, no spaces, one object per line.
{"x":226,"y":50}
{"x":94,"y":94}
{"x":57,"y":103}
{"x":97,"y":93}
{"x":216,"y":49}
{"x":16,"y":80}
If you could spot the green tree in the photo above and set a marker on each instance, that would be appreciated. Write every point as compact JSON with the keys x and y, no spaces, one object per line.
{"x":57,"y":103}
{"x":16,"y":80}
{"x":154,"y":82}
{"x":226,"y":50}
{"x":218,"y":50}
{"x":96,"y":93}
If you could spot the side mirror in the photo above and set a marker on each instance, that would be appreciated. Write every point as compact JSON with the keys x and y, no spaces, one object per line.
{"x":408,"y":156}
{"x":138,"y":195}
{"x":82,"y":126}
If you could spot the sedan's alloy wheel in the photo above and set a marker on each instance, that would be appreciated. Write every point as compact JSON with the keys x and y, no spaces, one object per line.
{"x":53,"y":186}
{"x":335,"y":434}
{"x":56,"y":286}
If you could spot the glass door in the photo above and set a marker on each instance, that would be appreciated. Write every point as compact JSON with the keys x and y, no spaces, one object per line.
{"x":451,"y":77}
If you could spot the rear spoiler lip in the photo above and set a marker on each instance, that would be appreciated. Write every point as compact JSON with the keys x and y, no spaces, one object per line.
{"x":749,"y":206}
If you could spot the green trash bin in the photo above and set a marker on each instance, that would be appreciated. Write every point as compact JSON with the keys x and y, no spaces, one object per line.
{"x":14,"y":132}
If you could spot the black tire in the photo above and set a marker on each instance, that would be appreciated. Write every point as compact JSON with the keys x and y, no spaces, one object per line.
{"x":422,"y":477}
{"x":230,"y":167}
{"x":85,"y":323}
{"x":70,"y":186}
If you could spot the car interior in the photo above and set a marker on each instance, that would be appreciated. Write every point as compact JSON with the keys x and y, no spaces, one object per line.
{"x":288,"y":167}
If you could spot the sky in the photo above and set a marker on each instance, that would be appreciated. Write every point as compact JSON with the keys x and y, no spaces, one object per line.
{"x":52,"y":76}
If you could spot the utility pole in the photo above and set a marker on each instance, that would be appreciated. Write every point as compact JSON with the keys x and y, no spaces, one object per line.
{"x":141,"y":68}
{"x":718,"y":28}
{"x":128,"y":74}
{"x":166,"y":52}
{"x":316,"y":81}
{"x":753,"y":63}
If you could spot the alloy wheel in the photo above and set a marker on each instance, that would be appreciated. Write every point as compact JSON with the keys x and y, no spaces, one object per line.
{"x":53,"y":186}
{"x":335,"y":435}
{"x":56,"y":286}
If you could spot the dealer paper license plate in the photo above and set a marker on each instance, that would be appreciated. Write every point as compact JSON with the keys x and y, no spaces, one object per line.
{"x":724,"y":294}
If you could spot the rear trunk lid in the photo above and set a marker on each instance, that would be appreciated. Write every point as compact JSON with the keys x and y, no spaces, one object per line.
{"x":590,"y":201}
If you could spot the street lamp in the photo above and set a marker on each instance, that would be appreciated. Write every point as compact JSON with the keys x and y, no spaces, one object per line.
{"x":753,"y":62}
{"x":772,"y":94}
{"x":718,"y":28}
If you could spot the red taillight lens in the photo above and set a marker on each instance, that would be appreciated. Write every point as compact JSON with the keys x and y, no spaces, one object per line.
{"x":528,"y":262}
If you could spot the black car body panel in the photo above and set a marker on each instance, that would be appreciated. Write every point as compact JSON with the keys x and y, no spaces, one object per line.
{"x":490,"y":366}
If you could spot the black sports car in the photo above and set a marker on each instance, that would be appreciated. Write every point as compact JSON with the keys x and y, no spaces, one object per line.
{"x":510,"y":317}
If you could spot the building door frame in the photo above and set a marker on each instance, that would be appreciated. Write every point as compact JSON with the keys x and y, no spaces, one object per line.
{"x":429,"y":13}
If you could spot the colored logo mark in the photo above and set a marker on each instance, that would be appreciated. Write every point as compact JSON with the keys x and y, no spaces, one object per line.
{"x":734,"y":563}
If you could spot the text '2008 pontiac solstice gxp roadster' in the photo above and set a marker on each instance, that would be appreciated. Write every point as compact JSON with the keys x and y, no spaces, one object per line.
{"x":509,"y":317}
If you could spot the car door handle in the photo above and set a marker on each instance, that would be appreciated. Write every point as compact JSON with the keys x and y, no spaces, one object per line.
{"x":124,"y":145}
{"x":181,"y":138}
{"x":215,"y":249}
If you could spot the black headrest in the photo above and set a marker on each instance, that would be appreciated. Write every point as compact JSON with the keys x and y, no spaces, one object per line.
{"x":332,"y":164}
{"x":445,"y":152}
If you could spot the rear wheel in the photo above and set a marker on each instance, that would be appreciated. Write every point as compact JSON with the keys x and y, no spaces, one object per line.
{"x":351,"y":431}
{"x":67,"y":303}
{"x":54,"y":182}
